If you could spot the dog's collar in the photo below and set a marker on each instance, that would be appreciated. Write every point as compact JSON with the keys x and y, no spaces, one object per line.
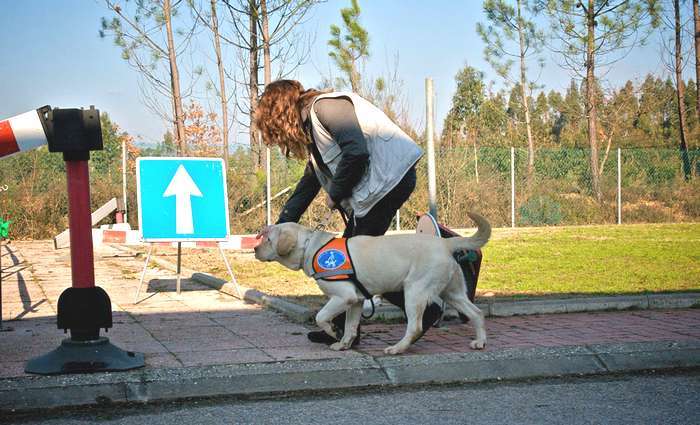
{"x":316,"y":240}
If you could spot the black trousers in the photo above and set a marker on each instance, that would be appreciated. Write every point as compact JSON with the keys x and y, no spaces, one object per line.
{"x":378,"y":219}
{"x":376,"y":223}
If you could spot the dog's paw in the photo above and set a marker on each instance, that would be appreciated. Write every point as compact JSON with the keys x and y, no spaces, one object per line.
{"x":394,"y":349}
{"x":477,"y":344}
{"x":339,"y":346}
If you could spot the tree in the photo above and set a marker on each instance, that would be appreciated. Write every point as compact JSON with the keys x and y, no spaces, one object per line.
{"x":586,"y":34}
{"x":510,"y":34}
{"x":655,"y":111}
{"x":212,"y":23}
{"x":690,"y":103}
{"x":463,"y":117}
{"x":542,"y":120}
{"x":144,"y":32}
{"x":572,"y":117}
{"x":287,"y":49}
{"x":696,"y":20}
{"x":108,"y":160}
{"x":351,"y":47}
{"x":223,"y":95}
{"x":201,"y":130}
{"x":676,"y":67}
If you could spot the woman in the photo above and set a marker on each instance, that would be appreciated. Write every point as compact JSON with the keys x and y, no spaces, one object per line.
{"x":364,"y":162}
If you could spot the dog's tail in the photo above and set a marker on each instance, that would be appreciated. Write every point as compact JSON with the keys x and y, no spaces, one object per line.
{"x":475,"y":241}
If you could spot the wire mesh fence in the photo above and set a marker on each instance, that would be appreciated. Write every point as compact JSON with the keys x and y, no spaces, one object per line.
{"x":495,"y":181}
{"x":559,"y":189}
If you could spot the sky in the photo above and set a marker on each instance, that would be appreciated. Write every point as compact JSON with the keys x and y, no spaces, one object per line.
{"x":52,"y":54}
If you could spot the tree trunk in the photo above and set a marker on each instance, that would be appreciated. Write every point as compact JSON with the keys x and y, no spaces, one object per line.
{"x":696,"y":15}
{"x":175,"y":82}
{"x":525,"y":101}
{"x":267,"y":72}
{"x":266,"y":43}
{"x":255,"y":143}
{"x":354,"y":79}
{"x":591,"y":110}
{"x":680,"y":95}
{"x":222,"y":83}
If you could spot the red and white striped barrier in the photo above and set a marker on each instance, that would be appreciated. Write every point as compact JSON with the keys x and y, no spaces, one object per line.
{"x":115,"y":235}
{"x":21,"y":133}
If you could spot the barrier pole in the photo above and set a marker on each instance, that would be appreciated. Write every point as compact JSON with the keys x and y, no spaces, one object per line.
{"x":619,"y":186}
{"x":512,"y":187}
{"x":429,"y":130}
{"x":126,"y":208}
{"x":80,"y":225}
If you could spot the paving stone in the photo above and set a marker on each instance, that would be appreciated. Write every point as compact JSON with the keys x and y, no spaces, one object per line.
{"x":203,"y":327}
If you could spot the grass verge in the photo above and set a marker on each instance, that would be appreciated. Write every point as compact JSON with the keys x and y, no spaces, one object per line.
{"x":546,"y":261}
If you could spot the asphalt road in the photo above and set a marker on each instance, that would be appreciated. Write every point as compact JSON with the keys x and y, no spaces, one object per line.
{"x":634,"y":399}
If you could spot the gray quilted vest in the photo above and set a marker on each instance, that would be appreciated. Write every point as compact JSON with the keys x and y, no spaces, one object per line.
{"x":391,"y":154}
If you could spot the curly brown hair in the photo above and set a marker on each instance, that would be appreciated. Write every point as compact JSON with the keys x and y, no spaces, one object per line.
{"x":278,"y":116}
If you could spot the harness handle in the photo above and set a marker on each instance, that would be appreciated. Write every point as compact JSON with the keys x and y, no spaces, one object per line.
{"x":324,"y":223}
{"x":371,"y":300}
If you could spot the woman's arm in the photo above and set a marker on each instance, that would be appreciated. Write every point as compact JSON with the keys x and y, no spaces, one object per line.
{"x":338,"y":117}
{"x":301,"y":198}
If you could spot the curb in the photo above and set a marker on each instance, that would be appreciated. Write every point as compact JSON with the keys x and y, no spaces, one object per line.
{"x":267,"y":379}
{"x":294,"y":311}
{"x":491,"y":308}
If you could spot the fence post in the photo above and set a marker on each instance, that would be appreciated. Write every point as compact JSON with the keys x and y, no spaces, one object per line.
{"x":126,"y":220}
{"x":429,"y":130}
{"x":619,"y":187}
{"x":398,"y":220}
{"x":268,"y":185}
{"x":512,"y":187}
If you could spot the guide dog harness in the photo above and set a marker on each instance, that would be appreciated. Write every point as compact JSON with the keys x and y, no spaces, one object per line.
{"x":333,"y":262}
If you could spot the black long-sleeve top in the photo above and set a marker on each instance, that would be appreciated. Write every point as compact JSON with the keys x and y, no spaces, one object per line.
{"x":337,"y":115}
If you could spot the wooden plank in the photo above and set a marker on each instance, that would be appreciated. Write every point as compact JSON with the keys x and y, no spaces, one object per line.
{"x":63,"y":239}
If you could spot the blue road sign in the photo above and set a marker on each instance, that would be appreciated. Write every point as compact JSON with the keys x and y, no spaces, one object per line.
{"x":182,"y":199}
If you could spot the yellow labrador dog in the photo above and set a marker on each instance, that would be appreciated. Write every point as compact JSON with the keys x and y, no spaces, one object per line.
{"x":420,"y":265}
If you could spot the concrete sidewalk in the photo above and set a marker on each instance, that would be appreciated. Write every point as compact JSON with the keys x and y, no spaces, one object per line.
{"x":207,"y":343}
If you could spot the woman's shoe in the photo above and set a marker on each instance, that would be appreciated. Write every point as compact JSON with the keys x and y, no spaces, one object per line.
{"x":321,"y":337}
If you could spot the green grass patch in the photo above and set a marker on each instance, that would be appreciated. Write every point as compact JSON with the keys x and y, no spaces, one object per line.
{"x":544,"y":261}
{"x":598,"y":260}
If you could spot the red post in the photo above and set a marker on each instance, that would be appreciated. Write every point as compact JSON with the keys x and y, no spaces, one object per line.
{"x":80,"y":224}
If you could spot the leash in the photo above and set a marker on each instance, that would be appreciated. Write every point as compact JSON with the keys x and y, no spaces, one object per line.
{"x":328,"y":217}
{"x":324,"y":223}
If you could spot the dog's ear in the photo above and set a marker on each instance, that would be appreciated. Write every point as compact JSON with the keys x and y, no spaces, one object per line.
{"x":286,"y":241}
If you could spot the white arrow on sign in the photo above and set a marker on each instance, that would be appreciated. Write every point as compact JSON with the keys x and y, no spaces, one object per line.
{"x":182,"y":187}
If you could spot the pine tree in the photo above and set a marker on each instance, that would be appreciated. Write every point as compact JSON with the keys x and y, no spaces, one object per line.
{"x":511,"y":33}
{"x":350,"y":48}
{"x":589,"y":32}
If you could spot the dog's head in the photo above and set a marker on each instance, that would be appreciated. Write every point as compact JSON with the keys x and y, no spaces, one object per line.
{"x":283,"y":243}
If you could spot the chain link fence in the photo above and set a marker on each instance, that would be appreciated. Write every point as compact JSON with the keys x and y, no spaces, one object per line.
{"x":496,"y":182}
{"x":558,"y":191}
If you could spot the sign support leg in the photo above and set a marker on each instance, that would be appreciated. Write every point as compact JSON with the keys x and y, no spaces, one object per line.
{"x":143,"y":273}
{"x":230,"y":272}
{"x":1,"y":245}
{"x":179,"y":263}
{"x":2,"y":329}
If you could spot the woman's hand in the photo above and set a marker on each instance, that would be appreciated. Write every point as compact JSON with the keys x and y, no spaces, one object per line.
{"x":329,"y":202}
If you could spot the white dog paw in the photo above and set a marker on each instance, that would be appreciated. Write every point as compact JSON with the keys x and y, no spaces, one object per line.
{"x":394,"y":349}
{"x":477,"y":344}
{"x":339,"y":346}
